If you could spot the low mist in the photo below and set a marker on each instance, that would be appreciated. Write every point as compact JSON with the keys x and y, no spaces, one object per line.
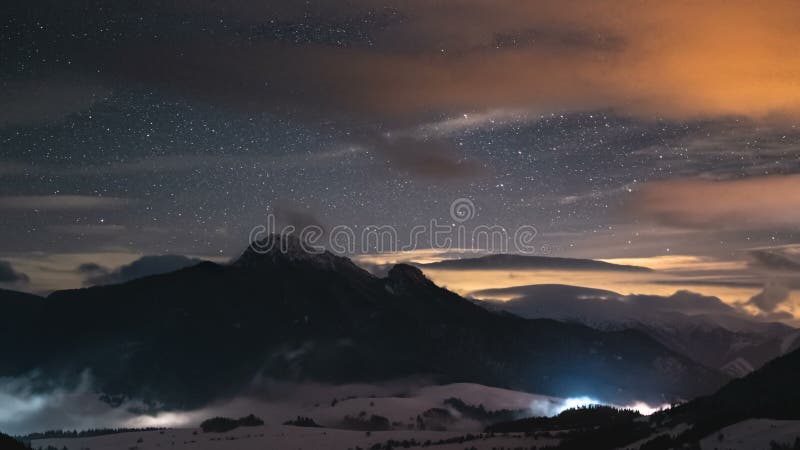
{"x":25,"y":410}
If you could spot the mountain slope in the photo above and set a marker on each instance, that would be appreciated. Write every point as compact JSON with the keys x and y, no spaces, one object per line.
{"x":703,"y":328}
{"x":767,"y":393}
{"x":187,"y":337}
{"x":17,"y":309}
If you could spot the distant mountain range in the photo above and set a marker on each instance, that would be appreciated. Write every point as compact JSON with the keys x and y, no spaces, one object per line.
{"x":703,"y":328}
{"x":184,"y":338}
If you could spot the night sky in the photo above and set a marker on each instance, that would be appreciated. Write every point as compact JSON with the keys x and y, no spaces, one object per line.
{"x":663,"y":135}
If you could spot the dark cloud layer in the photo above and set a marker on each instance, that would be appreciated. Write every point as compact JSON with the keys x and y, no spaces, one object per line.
{"x":773,"y":295}
{"x":430,"y":158}
{"x":9,"y":275}
{"x":26,"y":102}
{"x":775,"y":260}
{"x":142,"y":267}
{"x":529,"y":262}
{"x":750,"y":203}
{"x":416,"y":57}
{"x":91,"y":268}
{"x":288,"y":215}
{"x":60,"y":202}
{"x":606,"y":303}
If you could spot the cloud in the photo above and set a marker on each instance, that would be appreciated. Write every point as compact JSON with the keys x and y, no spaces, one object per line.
{"x":668,"y":60}
{"x":773,"y":295}
{"x":529,"y":262}
{"x":560,"y":36}
{"x":92,"y":269}
{"x":33,"y":404}
{"x":750,"y":203}
{"x":142,"y":267}
{"x":405,"y":60}
{"x":60,"y":202}
{"x":9,"y":275}
{"x":290,"y":215}
{"x":33,"y":102}
{"x":12,"y":168}
{"x":432,"y":158}
{"x":776,"y":259}
{"x":88,"y":229}
{"x":683,"y":301}
{"x":571,"y":300}
{"x":474,"y":121}
{"x":429,"y":157}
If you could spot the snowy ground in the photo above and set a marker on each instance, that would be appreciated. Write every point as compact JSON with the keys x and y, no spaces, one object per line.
{"x":276,"y":437}
{"x":753,"y":434}
{"x":328,"y":405}
{"x":24,"y":411}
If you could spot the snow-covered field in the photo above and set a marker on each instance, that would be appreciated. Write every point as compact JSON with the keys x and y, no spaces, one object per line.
{"x":24,"y":411}
{"x":753,"y":434}
{"x":277,"y":437}
{"x":327,"y":406}
{"x":400,"y":404}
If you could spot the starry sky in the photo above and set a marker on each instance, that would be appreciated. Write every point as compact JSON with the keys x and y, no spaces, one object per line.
{"x":662,"y":135}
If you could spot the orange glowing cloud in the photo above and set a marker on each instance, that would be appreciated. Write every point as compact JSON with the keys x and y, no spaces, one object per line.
{"x":759,"y":202}
{"x":665,"y":59}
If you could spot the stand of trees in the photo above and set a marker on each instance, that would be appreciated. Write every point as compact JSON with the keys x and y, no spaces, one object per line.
{"x":54,"y":434}
{"x":481,"y":414}
{"x":9,"y":443}
{"x":301,"y":421}
{"x":224,"y":424}
{"x":575,"y":418}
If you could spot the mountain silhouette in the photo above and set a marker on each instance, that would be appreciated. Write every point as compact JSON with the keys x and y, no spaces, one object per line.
{"x":204,"y":332}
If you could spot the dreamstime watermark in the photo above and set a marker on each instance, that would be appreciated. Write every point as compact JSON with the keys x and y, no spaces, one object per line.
{"x":378,"y":239}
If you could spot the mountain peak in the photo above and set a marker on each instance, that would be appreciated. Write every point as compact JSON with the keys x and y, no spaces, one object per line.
{"x":276,"y":249}
{"x":407,"y":272}
{"x":403,"y":277}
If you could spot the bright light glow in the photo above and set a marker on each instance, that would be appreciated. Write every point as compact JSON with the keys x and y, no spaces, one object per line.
{"x":577,"y":402}
{"x":164,"y":420}
{"x":646,"y":409}
{"x":555,"y":407}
